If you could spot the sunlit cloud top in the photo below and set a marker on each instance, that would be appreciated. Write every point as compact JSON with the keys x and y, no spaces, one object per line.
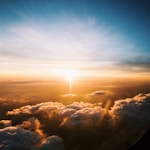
{"x":42,"y":36}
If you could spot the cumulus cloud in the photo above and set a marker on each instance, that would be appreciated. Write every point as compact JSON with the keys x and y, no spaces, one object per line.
{"x":84,"y":125}
{"x":27,"y":136}
{"x":18,"y":138}
{"x":52,"y":143}
{"x":38,"y":108}
{"x":5,"y":123}
{"x":85,"y":115}
{"x":135,"y":109}
{"x":32,"y":124}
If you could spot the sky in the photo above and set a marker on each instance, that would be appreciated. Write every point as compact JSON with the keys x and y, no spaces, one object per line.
{"x":96,"y":39}
{"x":41,"y":38}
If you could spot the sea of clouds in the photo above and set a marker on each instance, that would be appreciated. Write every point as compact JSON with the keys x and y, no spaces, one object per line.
{"x":77,"y":126}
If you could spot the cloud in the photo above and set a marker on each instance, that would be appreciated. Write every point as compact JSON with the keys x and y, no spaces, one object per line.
{"x":5,"y":123}
{"x":69,"y":95}
{"x":97,"y":93}
{"x":135,"y":109}
{"x":52,"y":143}
{"x":68,"y":110}
{"x":140,"y":63}
{"x":44,"y":108}
{"x":84,"y":125}
{"x":63,"y":43}
{"x":27,"y":136}
{"x":82,"y":115}
{"x":32,"y":124}
{"x":18,"y":138}
{"x":102,"y":96}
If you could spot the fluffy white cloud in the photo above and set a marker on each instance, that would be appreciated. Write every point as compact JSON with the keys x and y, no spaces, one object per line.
{"x":126,"y":121}
{"x":86,"y":115}
{"x":38,"y":108}
{"x":133,"y":109}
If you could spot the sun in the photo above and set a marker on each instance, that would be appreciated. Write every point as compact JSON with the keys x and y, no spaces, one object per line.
{"x":70,"y":75}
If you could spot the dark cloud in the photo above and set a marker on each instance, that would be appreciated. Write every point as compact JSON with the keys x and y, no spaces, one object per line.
{"x":28,"y":136}
{"x":52,"y":143}
{"x":84,"y":125}
{"x":137,"y":64}
{"x":32,"y":124}
{"x":15,"y":138}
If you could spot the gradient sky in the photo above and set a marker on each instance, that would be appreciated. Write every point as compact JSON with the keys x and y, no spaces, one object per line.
{"x":98,"y":37}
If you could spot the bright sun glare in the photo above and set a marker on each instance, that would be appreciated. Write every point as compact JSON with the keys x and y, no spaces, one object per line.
{"x":70,"y":74}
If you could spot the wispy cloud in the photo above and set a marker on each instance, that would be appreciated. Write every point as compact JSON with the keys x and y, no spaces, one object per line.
{"x":81,"y":43}
{"x":67,"y":42}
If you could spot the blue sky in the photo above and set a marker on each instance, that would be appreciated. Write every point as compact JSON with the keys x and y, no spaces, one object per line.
{"x":99,"y":36}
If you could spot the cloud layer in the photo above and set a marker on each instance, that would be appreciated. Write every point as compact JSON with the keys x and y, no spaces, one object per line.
{"x":80,"y":125}
{"x":28,"y":136}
